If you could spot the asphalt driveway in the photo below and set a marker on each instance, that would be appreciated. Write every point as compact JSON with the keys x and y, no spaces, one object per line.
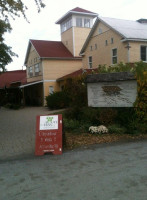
{"x":17,"y":131}
{"x":102,"y":172}
{"x":98,"y":172}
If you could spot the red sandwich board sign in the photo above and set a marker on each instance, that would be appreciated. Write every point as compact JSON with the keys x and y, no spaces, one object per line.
{"x":48,"y":134}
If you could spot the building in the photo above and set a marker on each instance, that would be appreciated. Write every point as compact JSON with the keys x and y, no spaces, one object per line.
{"x":113,"y":41}
{"x":10,"y":82}
{"x":82,"y":46}
{"x":46,"y":61}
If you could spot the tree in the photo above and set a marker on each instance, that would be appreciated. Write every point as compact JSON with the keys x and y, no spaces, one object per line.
{"x":11,"y":9}
{"x":5,"y":51}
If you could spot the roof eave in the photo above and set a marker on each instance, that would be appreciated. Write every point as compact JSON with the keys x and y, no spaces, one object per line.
{"x":68,"y":14}
{"x":134,"y":39}
{"x":28,"y":49}
{"x":93,"y":29}
{"x":62,"y":58}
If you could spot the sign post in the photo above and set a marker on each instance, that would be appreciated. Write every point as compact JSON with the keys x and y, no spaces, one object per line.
{"x":48,"y":135}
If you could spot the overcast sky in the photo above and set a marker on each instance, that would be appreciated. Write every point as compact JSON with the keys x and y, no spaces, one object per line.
{"x":42,"y":26}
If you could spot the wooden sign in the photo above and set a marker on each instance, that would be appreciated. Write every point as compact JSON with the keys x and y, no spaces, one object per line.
{"x":48,"y":134}
{"x":111,"y":90}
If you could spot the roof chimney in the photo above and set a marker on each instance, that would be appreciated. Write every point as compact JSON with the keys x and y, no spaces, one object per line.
{"x":142,"y":21}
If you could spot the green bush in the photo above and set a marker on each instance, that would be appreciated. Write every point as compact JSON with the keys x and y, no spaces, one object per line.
{"x":57,"y":100}
{"x":137,"y":127}
{"x":107,"y":115}
{"x":115,"y":128}
{"x":75,"y":126}
{"x":12,"y":106}
{"x":77,"y":91}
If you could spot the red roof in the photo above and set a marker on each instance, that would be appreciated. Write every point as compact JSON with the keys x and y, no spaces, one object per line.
{"x":51,"y":49}
{"x":77,"y":73}
{"x":81,"y":10}
{"x":10,"y":77}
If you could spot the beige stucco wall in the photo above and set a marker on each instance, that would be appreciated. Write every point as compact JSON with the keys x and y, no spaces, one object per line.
{"x":135,"y":50}
{"x":74,"y":39}
{"x":80,"y":35}
{"x":67,"y":39}
{"x":54,"y":69}
{"x":103,"y":53}
{"x":33,"y":58}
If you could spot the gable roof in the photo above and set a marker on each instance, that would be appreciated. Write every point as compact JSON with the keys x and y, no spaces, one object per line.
{"x":76,"y":10}
{"x":128,"y":29}
{"x":50,"y":49}
{"x":10,"y":77}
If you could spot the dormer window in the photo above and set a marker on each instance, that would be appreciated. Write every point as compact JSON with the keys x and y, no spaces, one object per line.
{"x":79,"y":22}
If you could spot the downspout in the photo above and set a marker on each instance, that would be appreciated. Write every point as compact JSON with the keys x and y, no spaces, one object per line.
{"x":73,"y":39}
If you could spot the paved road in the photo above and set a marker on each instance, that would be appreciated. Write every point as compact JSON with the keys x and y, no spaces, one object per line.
{"x":101,"y":172}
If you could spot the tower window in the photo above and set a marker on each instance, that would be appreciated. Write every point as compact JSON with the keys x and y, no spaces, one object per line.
{"x":87,"y":23}
{"x":66,"y":25}
{"x":79,"y":22}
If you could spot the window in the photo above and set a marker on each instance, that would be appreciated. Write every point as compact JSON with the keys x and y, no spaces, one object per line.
{"x":66,"y":25}
{"x":100,"y":30}
{"x":51,"y":89}
{"x":90,"y":61}
{"x":37,"y":69}
{"x":112,"y":40}
{"x":30,"y":71}
{"x":90,"y":48}
{"x":87,"y":23}
{"x":79,"y":22}
{"x":106,"y":42}
{"x":143,"y":53}
{"x":95,"y":46}
{"x":114,"y":56}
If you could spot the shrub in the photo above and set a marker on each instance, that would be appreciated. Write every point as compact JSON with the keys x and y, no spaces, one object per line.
{"x":141,"y":100}
{"x":12,"y":106}
{"x":75,"y":126}
{"x":57,"y":100}
{"x":107,"y":115}
{"x":115,"y":128}
{"x":77,"y":91}
{"x":137,"y":127}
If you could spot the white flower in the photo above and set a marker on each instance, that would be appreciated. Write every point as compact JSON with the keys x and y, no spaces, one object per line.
{"x":98,"y":129}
